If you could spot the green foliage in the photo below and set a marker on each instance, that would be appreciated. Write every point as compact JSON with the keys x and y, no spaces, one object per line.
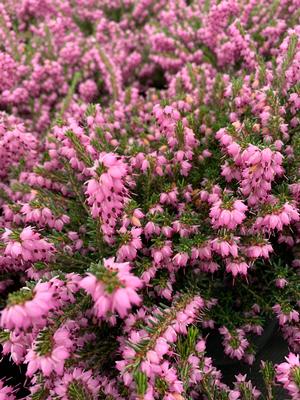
{"x":291,"y":51}
{"x":40,"y":394}
{"x":80,"y":150}
{"x":140,"y":379}
{"x":15,"y":171}
{"x":76,"y":391}
{"x":20,"y":297}
{"x":44,"y":342}
{"x":185,"y":346}
{"x":66,"y":102}
{"x":108,"y":277}
{"x":4,"y":336}
{"x":268,"y":373}
{"x":85,"y":25}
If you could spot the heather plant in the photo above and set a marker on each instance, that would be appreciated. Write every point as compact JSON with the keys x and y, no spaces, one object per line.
{"x":149,"y":195}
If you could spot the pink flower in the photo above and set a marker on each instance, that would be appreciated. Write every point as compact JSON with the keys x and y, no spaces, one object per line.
{"x":84,"y":379}
{"x":246,"y":386}
{"x":53,"y":360}
{"x":112,"y":287}
{"x":225,"y":247}
{"x":151,"y":229}
{"x":234,"y":342}
{"x":162,"y":253}
{"x":285,"y":314}
{"x":202,"y":251}
{"x":281,"y":283}
{"x":200,"y":346}
{"x":30,"y":308}
{"x":288,"y":373}
{"x":181,"y":259}
{"x":16,"y":346}
{"x":237,"y":267}
{"x":259,"y":250}
{"x":133,"y":242}
{"x":170,"y":197}
{"x":107,"y":194}
{"x":228,"y":215}
{"x":285,"y":216}
{"x":28,"y":246}
{"x":6,"y":392}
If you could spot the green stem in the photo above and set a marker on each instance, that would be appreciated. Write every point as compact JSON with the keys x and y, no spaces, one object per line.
{"x":71,"y":91}
{"x":267,"y":307}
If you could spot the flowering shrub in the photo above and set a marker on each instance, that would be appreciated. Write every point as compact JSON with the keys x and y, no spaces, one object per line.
{"x":150,"y":156}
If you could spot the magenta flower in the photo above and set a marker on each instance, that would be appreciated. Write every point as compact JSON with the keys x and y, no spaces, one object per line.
{"x":229,"y":216}
{"x":53,"y":358}
{"x":285,"y":314}
{"x":28,"y":246}
{"x":244,"y":386}
{"x":225,"y":247}
{"x":237,"y":267}
{"x":6,"y":392}
{"x":113,"y":288}
{"x":106,"y":191}
{"x":288,"y":374}
{"x":234,"y":342}
{"x":132,"y":243}
{"x":30,"y":308}
{"x":84,"y":380}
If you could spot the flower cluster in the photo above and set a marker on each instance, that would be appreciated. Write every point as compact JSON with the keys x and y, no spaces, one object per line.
{"x":28,"y":307}
{"x":6,"y":392}
{"x":107,"y":193}
{"x":149,"y":195}
{"x":288,"y":373}
{"x":112,"y":288}
{"x":27,"y":246}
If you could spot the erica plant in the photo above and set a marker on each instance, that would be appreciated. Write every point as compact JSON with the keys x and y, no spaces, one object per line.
{"x":150,"y":158}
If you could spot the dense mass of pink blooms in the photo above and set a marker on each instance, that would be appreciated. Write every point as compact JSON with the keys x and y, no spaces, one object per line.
{"x":149,"y":195}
